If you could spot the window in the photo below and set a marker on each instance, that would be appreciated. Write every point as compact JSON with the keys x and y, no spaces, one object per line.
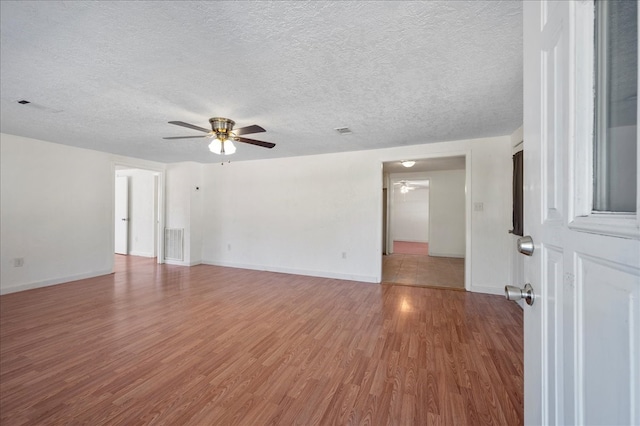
{"x":615,"y":109}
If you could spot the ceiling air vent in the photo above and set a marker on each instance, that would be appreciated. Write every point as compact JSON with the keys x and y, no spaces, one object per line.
{"x":343,"y":130}
{"x":38,"y":106}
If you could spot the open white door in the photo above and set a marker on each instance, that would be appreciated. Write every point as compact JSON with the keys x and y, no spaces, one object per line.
{"x":582,"y":333}
{"x":121,"y":240}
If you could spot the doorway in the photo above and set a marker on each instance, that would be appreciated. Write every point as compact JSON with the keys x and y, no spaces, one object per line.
{"x":137,"y":212}
{"x":425,"y":223}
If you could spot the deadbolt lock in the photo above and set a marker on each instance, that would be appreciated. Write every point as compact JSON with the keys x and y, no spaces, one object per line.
{"x":525,"y":245}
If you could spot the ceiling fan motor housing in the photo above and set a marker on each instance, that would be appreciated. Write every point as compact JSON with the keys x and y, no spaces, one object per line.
{"x":222,"y":126}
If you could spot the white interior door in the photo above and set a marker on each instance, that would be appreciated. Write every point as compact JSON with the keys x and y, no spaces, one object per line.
{"x":121,"y":240}
{"x":582,"y":333}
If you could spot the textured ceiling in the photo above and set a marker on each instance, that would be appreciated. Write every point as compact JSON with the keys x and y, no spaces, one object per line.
{"x":109,"y":75}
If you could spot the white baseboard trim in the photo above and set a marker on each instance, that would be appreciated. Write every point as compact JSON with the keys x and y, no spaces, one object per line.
{"x":499,"y":291}
{"x":294,"y":271}
{"x":182,"y":262}
{"x":438,"y":254}
{"x":54,"y":281}
{"x":141,"y":253}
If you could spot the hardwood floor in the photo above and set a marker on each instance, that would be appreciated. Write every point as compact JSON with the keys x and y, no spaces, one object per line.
{"x":423,"y":270}
{"x":410,"y":247}
{"x":206,"y":345}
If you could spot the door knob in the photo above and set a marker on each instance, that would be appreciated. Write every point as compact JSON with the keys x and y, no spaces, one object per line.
{"x":515,"y":293}
{"x":525,"y":245}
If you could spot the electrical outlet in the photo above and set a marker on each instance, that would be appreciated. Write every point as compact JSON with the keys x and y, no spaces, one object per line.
{"x":478,"y":207}
{"x":228,"y":247}
{"x":344,"y":254}
{"x":18,"y":262}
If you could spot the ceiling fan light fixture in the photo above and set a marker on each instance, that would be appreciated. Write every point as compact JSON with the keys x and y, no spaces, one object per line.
{"x":215,"y":146}
{"x":229,"y":147}
{"x":222,"y":147}
{"x":408,"y":163}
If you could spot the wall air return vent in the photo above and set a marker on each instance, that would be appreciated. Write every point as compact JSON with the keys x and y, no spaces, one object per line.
{"x":173,"y":244}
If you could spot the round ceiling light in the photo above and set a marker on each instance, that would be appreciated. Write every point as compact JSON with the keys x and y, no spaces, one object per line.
{"x":408,"y":163}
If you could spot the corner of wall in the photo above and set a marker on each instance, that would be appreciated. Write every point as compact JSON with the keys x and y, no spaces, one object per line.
{"x":517,"y":136}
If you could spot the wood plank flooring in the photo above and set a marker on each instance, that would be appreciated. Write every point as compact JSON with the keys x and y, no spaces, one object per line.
{"x":422,"y":270}
{"x":410,"y":247}
{"x":206,"y":345}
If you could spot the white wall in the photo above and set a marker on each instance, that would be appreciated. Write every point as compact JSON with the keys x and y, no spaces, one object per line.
{"x":295,"y":215}
{"x":491,"y":176}
{"x":142,"y":222}
{"x":56,"y":212}
{"x":301,"y":214}
{"x":410,"y":219}
{"x":447,"y":228}
{"x":184,"y":208}
{"x":197,"y":219}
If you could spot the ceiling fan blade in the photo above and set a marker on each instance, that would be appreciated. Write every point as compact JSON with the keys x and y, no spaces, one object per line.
{"x":185,"y":137}
{"x":249,"y":129}
{"x":255,"y":142}
{"x":190,"y":126}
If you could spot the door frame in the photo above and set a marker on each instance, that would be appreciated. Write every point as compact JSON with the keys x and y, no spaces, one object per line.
{"x":517,"y":260}
{"x":159,"y":203}
{"x":122,"y":200}
{"x":466,"y":153}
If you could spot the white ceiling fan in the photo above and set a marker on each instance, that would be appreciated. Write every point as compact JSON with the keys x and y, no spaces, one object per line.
{"x":405,"y":186}
{"x":408,"y":185}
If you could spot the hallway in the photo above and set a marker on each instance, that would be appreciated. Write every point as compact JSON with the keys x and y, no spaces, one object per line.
{"x":422,"y":269}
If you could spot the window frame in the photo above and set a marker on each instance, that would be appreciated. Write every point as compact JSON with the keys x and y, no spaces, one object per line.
{"x":582,"y":217}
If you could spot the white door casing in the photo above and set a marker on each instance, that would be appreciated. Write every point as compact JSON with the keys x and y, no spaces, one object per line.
{"x":121,"y":237}
{"x":582,"y":334}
